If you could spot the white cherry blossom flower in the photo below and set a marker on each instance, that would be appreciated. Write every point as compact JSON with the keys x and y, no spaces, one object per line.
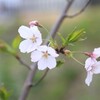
{"x":92,"y":66}
{"x":45,"y":56}
{"x":32,"y":38}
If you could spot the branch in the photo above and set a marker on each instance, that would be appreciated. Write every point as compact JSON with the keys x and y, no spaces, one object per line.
{"x":78,"y":13}
{"x":23,"y":63}
{"x":28,"y":83}
{"x":41,"y":77}
{"x":59,"y":20}
{"x":29,"y":80}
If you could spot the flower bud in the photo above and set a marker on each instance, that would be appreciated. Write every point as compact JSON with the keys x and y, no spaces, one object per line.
{"x":34,"y":23}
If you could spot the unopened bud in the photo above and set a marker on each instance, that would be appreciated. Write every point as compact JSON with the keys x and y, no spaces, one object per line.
{"x":67,"y":52}
{"x":34,"y":23}
{"x":89,"y":54}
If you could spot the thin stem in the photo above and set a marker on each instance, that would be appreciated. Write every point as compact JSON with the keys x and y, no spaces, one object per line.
{"x":45,"y":29}
{"x":28,"y":83}
{"x":43,"y":76}
{"x":78,"y":13}
{"x":77,"y":60}
{"x":22,"y":62}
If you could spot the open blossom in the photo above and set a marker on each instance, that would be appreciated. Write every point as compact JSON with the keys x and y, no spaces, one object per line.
{"x":92,"y":66}
{"x":45,"y":56}
{"x":32,"y":38}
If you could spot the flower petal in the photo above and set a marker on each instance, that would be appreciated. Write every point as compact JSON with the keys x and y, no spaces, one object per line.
{"x":43,"y":48}
{"x":35,"y":31}
{"x":89,"y":62}
{"x":52,"y":52}
{"x":39,"y":40}
{"x":88,"y":79}
{"x":42,"y":64}
{"x":25,"y":32}
{"x":27,"y":46}
{"x":96,"y":68}
{"x":49,"y":62}
{"x":24,"y":45}
{"x":31,"y":47}
{"x":96,"y":52}
{"x":36,"y":56}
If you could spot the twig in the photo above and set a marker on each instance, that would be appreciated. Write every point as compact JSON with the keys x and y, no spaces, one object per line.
{"x":28,"y":83}
{"x":60,"y":20}
{"x":29,"y":80}
{"x":23,"y":63}
{"x":78,"y":13}
{"x":45,"y":73}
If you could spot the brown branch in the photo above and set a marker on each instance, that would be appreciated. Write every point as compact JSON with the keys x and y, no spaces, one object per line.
{"x":29,"y":80}
{"x":23,"y":63}
{"x":43,"y":76}
{"x":59,"y":20}
{"x":28,"y":83}
{"x":78,"y":13}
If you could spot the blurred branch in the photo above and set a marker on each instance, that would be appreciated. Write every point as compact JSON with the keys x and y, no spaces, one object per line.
{"x":78,"y":13}
{"x":45,"y":73}
{"x":29,"y":80}
{"x":23,"y":63}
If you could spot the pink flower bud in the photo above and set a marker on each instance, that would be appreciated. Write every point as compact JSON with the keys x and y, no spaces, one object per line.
{"x":34,"y":23}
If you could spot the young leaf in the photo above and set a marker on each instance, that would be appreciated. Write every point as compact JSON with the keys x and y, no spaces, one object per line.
{"x":4,"y":94}
{"x":62,"y":38}
{"x":59,"y":63}
{"x":16,"y":42}
{"x":53,"y":43}
{"x":74,"y":36}
{"x":4,"y":47}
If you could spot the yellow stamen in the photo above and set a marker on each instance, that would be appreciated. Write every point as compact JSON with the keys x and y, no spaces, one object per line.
{"x":45,"y":54}
{"x":33,"y":39}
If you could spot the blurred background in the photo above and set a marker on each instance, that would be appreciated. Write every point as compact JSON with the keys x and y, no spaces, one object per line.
{"x":66,"y":82}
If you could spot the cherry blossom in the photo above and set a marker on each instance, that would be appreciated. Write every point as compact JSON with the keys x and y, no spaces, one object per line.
{"x":32,"y":38}
{"x":92,"y":66}
{"x":45,"y":56}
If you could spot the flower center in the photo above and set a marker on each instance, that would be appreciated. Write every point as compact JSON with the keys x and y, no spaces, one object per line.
{"x":33,"y":39}
{"x":45,"y":54}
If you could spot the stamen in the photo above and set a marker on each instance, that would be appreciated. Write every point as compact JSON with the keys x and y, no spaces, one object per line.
{"x":45,"y":54}
{"x":33,"y":39}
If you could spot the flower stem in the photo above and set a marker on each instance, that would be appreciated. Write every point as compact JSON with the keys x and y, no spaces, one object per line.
{"x":77,"y":60}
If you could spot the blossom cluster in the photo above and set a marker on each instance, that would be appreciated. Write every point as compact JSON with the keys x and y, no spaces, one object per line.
{"x":42,"y":54}
{"x":92,"y":65}
{"x":45,"y":56}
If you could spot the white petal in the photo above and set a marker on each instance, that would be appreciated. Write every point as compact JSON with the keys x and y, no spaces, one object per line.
{"x":51,"y":62}
{"x":96,"y":68}
{"x":36,"y":56}
{"x":25,"y":32}
{"x":32,"y":46}
{"x":89,"y":62}
{"x":42,"y":64}
{"x":43,"y":48}
{"x":39,"y":40}
{"x":88,"y":79}
{"x":24,"y":45}
{"x":52,"y":52}
{"x":96,"y":52}
{"x":35,"y":31}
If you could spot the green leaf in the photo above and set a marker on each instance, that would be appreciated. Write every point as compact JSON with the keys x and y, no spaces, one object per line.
{"x":4,"y":47}
{"x":62,"y":38}
{"x":53,"y":43}
{"x":74,"y":36}
{"x":16,"y":42}
{"x":59,"y":63}
{"x":4,"y":94}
